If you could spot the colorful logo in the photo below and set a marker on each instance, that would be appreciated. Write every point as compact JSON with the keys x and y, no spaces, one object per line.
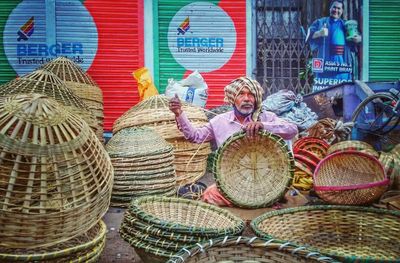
{"x":26,"y":30}
{"x":317,"y":65}
{"x":184,"y":26}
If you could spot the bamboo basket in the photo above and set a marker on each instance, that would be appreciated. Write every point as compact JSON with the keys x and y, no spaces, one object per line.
{"x":247,"y":249}
{"x":353,"y":146}
{"x":83,"y":248}
{"x":82,"y":85}
{"x":350,"y":178}
{"x":55,"y":176}
{"x":143,"y":162}
{"x":347,"y":233}
{"x":46,"y":83}
{"x":190,"y":158}
{"x":315,"y":145}
{"x":253,"y":172}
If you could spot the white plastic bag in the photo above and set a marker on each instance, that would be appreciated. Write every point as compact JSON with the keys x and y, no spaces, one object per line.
{"x":193,"y":89}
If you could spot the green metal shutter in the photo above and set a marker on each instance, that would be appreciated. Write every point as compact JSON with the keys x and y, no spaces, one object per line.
{"x":384,"y":36}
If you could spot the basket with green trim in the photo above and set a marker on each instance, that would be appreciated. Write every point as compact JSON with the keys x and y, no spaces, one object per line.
{"x":247,"y":249}
{"x":347,"y":233}
{"x":83,"y":248}
{"x":253,"y":172}
{"x":354,"y":146}
{"x":157,"y":227}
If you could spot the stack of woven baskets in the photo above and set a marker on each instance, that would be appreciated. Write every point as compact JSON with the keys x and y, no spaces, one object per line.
{"x":55,"y":182}
{"x":46,"y":83}
{"x":82,"y":85}
{"x":190,"y":158}
{"x":158,"y":227}
{"x":143,"y":165}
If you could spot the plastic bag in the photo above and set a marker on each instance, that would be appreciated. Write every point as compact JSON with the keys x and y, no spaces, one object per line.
{"x":146,"y":87}
{"x":193,"y":89}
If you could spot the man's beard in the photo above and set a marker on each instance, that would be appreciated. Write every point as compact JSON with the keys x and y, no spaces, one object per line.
{"x":245,"y":111}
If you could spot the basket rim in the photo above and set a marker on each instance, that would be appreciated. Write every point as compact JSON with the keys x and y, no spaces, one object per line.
{"x":256,"y":221}
{"x":136,"y":210}
{"x":60,"y":253}
{"x":255,"y":242}
{"x":300,"y":142}
{"x":383,"y":182}
{"x":237,"y":136}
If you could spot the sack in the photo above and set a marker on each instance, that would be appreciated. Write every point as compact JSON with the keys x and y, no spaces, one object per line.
{"x":146,"y":87}
{"x":193,"y":89}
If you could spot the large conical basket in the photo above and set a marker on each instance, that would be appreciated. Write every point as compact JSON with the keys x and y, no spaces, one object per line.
{"x":82,"y":85}
{"x":45,"y":82}
{"x":83,"y":248}
{"x":143,"y":165}
{"x":55,"y":175}
{"x":190,"y":159}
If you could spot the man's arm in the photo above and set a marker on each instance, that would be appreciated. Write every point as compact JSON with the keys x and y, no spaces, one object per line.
{"x":276,"y":125}
{"x":191,"y":133}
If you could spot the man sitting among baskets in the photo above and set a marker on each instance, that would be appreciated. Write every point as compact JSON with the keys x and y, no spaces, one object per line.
{"x":245,"y":96}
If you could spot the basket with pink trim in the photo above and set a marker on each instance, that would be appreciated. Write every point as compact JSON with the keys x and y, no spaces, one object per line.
{"x":350,"y":178}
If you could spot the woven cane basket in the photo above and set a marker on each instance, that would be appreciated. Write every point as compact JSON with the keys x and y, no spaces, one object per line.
{"x":45,"y":82}
{"x":82,"y":85}
{"x":247,"y":249}
{"x":158,"y":227}
{"x":350,"y":178}
{"x":142,"y":161}
{"x":253,"y":171}
{"x":315,"y":145}
{"x":190,"y":158}
{"x":348,"y":233}
{"x":354,"y":146}
{"x":55,"y":176}
{"x":83,"y":248}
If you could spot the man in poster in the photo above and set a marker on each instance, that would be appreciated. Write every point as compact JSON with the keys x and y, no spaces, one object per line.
{"x":333,"y":43}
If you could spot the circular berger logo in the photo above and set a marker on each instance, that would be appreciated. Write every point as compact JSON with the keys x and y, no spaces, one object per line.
{"x":201,"y":36}
{"x":29,"y":42}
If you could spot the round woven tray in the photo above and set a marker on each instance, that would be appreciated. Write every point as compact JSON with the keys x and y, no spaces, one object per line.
{"x":350,"y":177}
{"x":84,"y":248}
{"x":55,"y":175}
{"x":255,"y":171}
{"x":348,"y":233}
{"x":186,"y":216}
{"x":247,"y":249}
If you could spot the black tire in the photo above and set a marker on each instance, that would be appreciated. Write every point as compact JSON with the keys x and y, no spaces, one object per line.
{"x":385,"y":118}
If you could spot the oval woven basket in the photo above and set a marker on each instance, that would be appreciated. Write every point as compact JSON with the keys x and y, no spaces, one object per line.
{"x":255,"y":171}
{"x":350,"y":178}
{"x":84,"y":248}
{"x":55,"y":176}
{"x":247,"y":249}
{"x":186,"y":216}
{"x":348,"y":233}
{"x":353,"y":146}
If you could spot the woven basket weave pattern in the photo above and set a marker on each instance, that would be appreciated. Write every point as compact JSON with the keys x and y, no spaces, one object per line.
{"x":346,"y":232}
{"x":253,"y":172}
{"x":55,"y":181}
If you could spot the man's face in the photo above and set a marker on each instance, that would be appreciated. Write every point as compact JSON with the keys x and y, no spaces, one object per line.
{"x":245,"y":101}
{"x":336,"y":10}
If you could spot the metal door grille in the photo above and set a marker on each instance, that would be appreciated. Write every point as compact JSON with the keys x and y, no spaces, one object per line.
{"x":282,"y":53}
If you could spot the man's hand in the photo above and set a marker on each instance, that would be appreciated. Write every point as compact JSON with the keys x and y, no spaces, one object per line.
{"x":252,"y":128}
{"x":175,"y":105}
{"x":324,"y":32}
